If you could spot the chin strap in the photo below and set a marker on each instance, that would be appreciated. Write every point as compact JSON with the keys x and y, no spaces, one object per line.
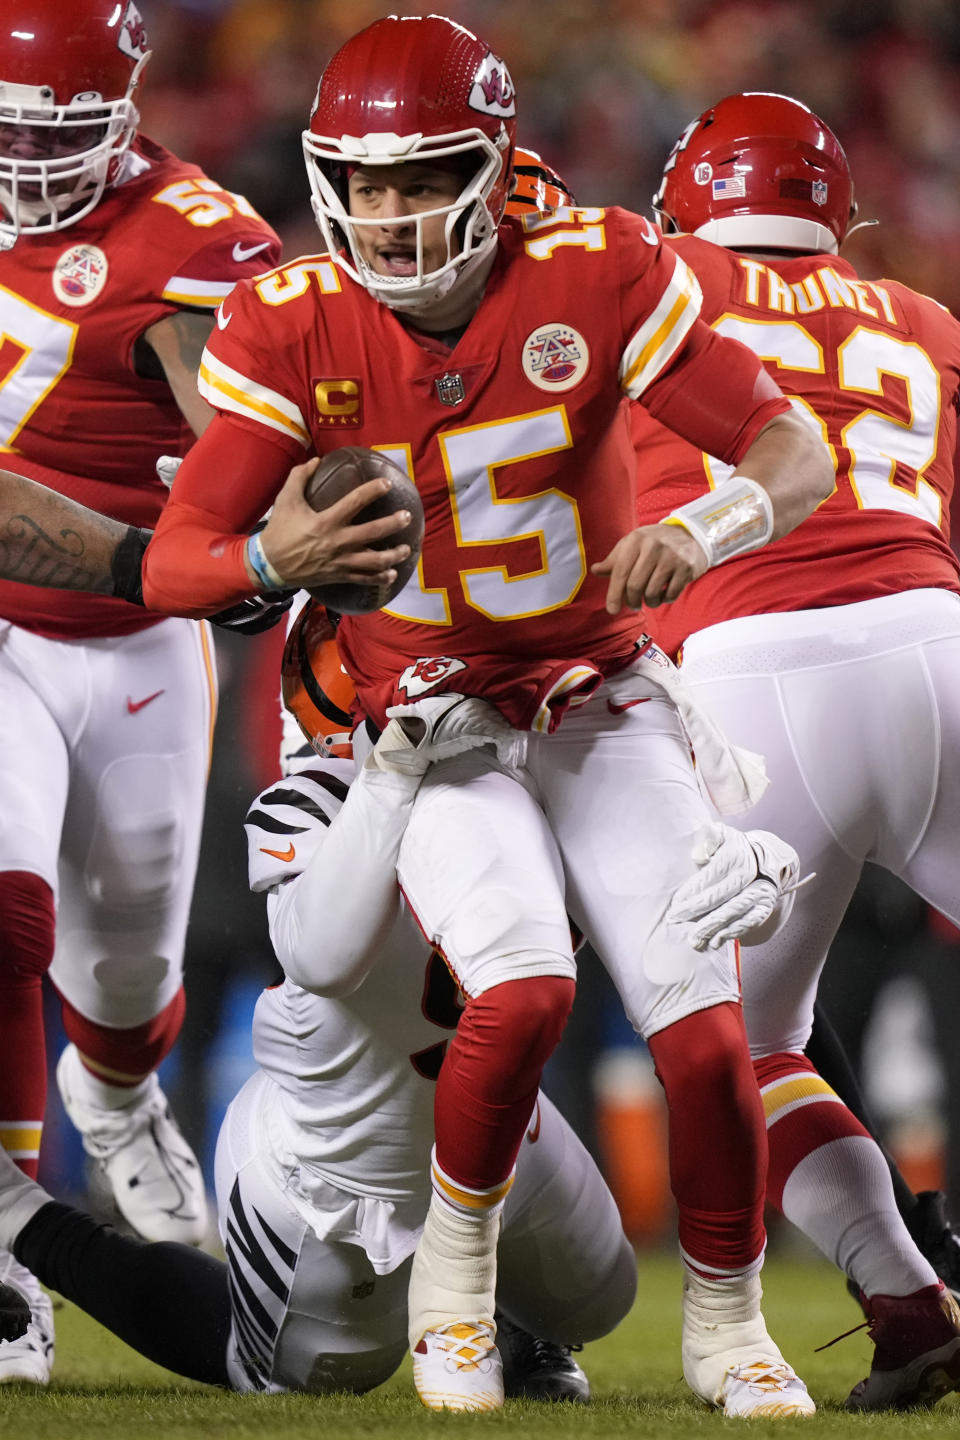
{"x":860,"y":225}
{"x":455,"y":305}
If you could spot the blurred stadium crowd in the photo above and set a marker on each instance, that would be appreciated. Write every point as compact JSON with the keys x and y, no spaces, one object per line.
{"x":604,"y":90}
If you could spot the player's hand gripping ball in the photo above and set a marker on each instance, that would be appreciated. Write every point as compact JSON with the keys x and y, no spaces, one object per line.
{"x":341,"y":472}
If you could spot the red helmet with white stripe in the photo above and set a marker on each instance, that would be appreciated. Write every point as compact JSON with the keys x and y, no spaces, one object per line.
{"x":414,"y":88}
{"x":68,"y":72}
{"x":758,"y":172}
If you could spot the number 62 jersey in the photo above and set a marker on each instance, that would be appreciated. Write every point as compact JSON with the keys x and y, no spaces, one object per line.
{"x":517,"y":439}
{"x":876,"y":368}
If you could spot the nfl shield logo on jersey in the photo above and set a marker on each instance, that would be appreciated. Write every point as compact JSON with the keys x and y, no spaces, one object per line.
{"x":450,"y":389}
{"x":818,"y":192}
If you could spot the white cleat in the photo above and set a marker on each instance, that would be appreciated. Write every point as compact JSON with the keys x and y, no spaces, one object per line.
{"x":457,"y":1367}
{"x":729,"y":1359}
{"x":154,"y":1176}
{"x":30,"y":1356}
{"x":765,"y":1389}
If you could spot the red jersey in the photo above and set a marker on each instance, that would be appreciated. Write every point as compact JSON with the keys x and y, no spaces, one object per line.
{"x":518,"y":441}
{"x":74,"y":413}
{"x":877,"y":369}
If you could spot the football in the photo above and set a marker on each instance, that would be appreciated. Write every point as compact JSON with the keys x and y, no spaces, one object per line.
{"x":337,"y":475}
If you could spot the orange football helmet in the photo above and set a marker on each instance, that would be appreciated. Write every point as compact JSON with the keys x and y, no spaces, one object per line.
{"x":536,"y":186}
{"x":315,"y":688}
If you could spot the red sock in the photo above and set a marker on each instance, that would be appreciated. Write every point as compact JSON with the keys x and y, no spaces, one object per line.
{"x":488,"y":1081}
{"x":125,"y":1057}
{"x":27,"y":930}
{"x":718,"y":1146}
{"x":802,"y":1113}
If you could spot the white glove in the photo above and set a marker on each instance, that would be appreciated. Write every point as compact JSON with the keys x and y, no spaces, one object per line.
{"x":744,"y":877}
{"x":167,"y":467}
{"x":439,"y":727}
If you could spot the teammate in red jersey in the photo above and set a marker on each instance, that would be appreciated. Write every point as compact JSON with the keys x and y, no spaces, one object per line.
{"x":494,"y":361}
{"x":835,"y":653}
{"x":113,"y":257}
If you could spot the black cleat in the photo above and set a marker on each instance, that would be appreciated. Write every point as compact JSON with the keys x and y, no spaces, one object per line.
{"x":15,"y":1313}
{"x":936,"y":1238}
{"x":535,"y":1369}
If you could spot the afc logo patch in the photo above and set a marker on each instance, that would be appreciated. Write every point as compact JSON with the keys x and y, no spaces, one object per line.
{"x":339,"y":404}
{"x":80,"y":274}
{"x":423,"y":674}
{"x":555,"y":357}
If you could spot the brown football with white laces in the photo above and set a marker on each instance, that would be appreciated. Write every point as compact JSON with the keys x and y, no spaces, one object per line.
{"x":338,"y":474}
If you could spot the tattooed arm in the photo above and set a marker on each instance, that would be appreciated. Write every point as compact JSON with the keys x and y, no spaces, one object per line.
{"x":48,"y":540}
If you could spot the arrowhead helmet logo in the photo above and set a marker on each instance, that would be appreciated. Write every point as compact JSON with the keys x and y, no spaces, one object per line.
{"x":493,"y":91}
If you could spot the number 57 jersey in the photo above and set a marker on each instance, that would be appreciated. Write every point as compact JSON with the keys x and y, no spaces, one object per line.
{"x":876,"y":369}
{"x":85,"y":406}
{"x":517,"y":439}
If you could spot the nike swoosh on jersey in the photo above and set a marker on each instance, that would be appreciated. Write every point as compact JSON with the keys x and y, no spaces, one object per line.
{"x":223,"y":320}
{"x":243,"y":252}
{"x":627,"y":705}
{"x":279,"y":854}
{"x":134,"y":705}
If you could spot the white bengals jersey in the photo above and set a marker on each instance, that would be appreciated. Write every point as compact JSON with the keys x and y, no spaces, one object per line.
{"x":355,"y":1074}
{"x":323,"y":1158}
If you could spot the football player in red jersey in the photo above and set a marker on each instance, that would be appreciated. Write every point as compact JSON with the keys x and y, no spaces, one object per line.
{"x":113,"y":257}
{"x":494,"y":361}
{"x":834,"y":653}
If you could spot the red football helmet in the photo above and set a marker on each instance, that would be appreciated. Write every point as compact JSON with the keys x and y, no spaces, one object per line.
{"x":315,"y":688}
{"x":68,"y":71}
{"x":758,"y":172}
{"x":413,"y":88}
{"x":536,"y":186}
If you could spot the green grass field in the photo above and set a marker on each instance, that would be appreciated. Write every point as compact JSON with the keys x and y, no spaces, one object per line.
{"x":101,"y":1389}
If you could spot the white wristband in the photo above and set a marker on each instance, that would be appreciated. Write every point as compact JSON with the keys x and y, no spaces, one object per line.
{"x":731,"y":520}
{"x":269,"y":578}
